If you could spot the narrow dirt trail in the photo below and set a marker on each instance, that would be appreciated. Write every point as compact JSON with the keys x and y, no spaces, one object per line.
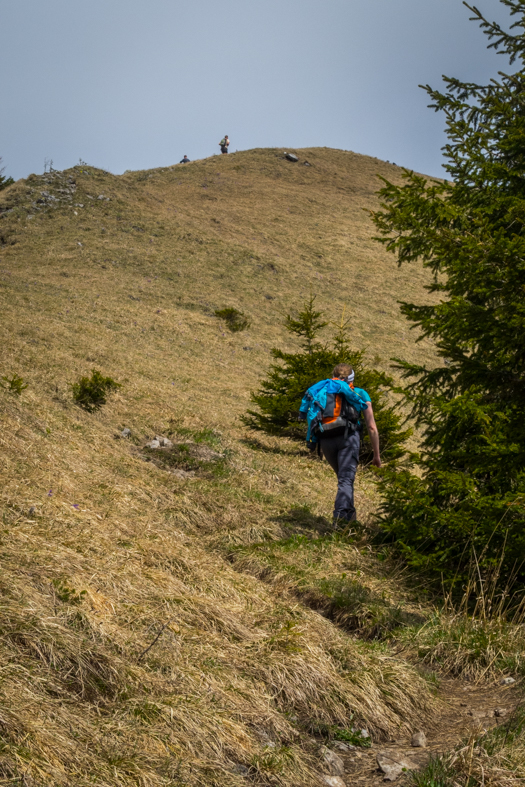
{"x":467,"y":709}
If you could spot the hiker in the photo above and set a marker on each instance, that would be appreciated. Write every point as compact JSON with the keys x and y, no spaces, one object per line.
{"x":224,"y":144}
{"x":185,"y":160}
{"x":334,"y":409}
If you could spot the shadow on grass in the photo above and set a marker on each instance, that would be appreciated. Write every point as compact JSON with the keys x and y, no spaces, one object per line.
{"x":300,"y":520}
{"x":282,"y":450}
{"x":357,"y":609}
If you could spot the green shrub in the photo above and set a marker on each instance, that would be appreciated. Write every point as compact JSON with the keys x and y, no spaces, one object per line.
{"x":14,"y":384}
{"x":91,"y":392}
{"x":279,"y":398}
{"x":234,"y":319}
{"x":4,"y":182}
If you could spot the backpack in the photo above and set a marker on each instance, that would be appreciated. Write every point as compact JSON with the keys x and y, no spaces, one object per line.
{"x":332,"y":408}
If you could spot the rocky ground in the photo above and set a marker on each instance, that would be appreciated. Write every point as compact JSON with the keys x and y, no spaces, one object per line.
{"x":468,"y":710}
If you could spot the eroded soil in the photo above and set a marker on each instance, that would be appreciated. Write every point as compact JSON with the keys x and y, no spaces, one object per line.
{"x":467,"y":709}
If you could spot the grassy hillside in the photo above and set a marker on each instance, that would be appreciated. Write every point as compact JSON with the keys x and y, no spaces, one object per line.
{"x":159,"y":610}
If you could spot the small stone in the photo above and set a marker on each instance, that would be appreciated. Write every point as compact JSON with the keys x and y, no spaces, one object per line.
{"x":101,"y":196}
{"x":184,"y":473}
{"x":291,"y":157}
{"x":341,"y":746}
{"x":418,"y":740}
{"x":476,"y":713}
{"x":507,"y":681}
{"x":126,"y":432}
{"x":499,"y":712}
{"x":164,"y":442}
{"x":364,"y":733}
{"x":333,"y":781}
{"x":333,"y":761}
{"x":241,"y":769}
{"x":393,"y":764}
{"x":33,"y":509}
{"x":153,"y":444}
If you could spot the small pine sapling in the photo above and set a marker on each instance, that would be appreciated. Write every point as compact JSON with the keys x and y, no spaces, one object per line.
{"x":235,"y":320}
{"x":90,"y":393}
{"x":14,"y":384}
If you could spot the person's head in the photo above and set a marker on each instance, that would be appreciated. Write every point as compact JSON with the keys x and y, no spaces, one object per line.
{"x":343,"y":371}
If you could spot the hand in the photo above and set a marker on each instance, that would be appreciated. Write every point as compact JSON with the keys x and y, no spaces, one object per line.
{"x":376,"y":461}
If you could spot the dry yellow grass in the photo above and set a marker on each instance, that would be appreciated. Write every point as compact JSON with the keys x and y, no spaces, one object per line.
{"x":103,"y":554}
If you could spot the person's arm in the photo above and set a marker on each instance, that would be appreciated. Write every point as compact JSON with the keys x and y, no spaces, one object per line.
{"x":372,"y":433}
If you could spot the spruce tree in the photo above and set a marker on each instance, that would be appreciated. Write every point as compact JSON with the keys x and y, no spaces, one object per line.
{"x":463,"y":496}
{"x":4,"y":182}
{"x":279,"y":398}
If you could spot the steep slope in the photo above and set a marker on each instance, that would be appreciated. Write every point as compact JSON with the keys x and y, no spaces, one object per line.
{"x":132,"y":650}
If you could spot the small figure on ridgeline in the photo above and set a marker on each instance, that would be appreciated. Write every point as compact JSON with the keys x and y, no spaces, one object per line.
{"x":185,"y":160}
{"x":224,"y":143}
{"x":334,"y":410}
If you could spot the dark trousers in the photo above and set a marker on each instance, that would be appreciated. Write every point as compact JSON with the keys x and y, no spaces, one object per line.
{"x":343,"y":456}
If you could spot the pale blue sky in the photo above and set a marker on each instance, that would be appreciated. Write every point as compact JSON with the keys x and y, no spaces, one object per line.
{"x":129,"y":84}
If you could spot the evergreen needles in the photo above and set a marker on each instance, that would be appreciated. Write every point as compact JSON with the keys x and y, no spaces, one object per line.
{"x":465,"y":492}
{"x":91,"y":392}
{"x":280,"y":395}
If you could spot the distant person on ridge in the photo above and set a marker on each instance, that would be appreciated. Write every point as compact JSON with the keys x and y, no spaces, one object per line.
{"x":334,"y":409}
{"x":185,"y":160}
{"x":224,"y":143}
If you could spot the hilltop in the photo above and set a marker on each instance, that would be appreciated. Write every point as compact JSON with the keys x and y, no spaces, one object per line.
{"x":186,"y":617}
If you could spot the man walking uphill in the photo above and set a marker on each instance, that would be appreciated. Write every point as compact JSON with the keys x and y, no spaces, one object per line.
{"x":335,"y":410}
{"x":224,"y":144}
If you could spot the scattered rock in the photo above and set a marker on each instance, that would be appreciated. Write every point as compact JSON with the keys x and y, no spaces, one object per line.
{"x":101,"y":196}
{"x":477,"y":713}
{"x":498,"y":712}
{"x":153,"y":444}
{"x":333,"y":761}
{"x":163,"y":441}
{"x":265,"y":738}
{"x":343,"y":746}
{"x":393,"y":764}
{"x":291,"y":157}
{"x":507,"y":681}
{"x":306,"y":164}
{"x":240,"y":769}
{"x":184,"y":473}
{"x":333,"y":781}
{"x":33,"y":509}
{"x":126,"y":432}
{"x":419,"y":740}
